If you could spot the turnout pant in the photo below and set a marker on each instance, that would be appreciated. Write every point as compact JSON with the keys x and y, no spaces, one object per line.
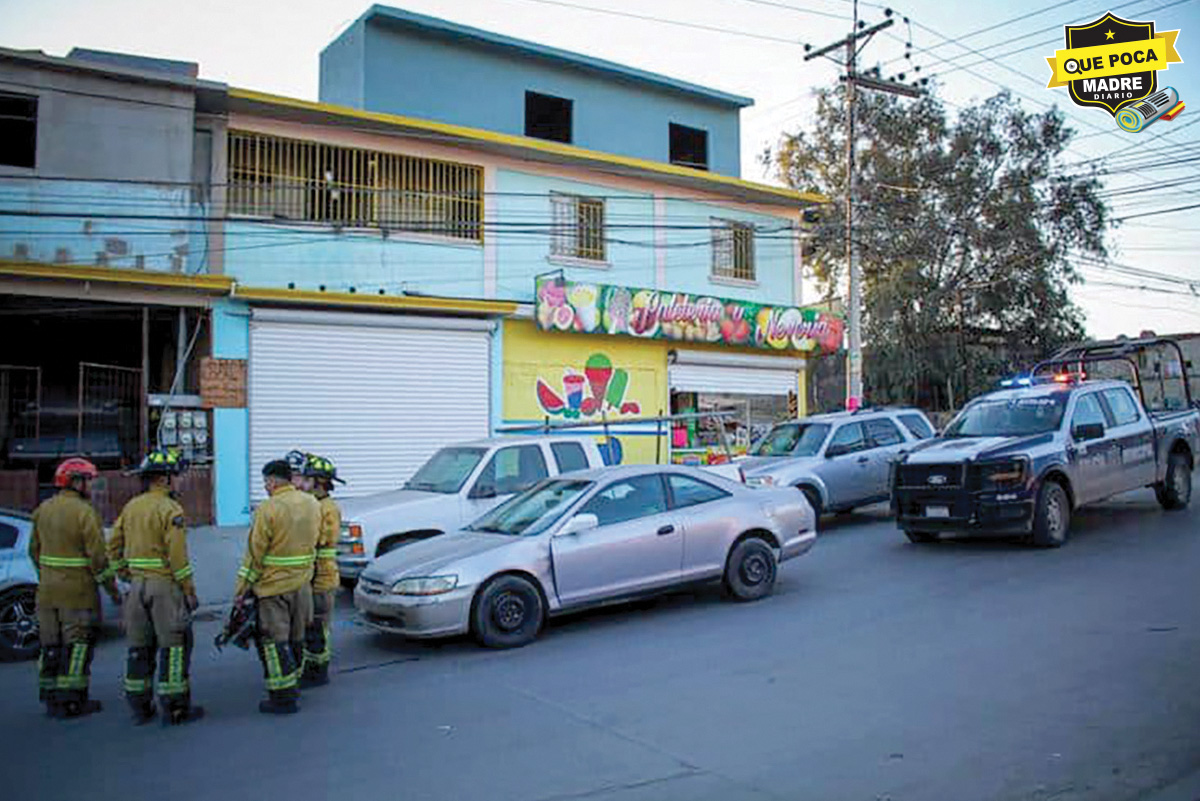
{"x":68,"y":641}
{"x":282,"y":620}
{"x":157,"y":623}
{"x":318,"y":648}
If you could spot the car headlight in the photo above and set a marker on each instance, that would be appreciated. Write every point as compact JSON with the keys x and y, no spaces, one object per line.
{"x":425,"y":585}
{"x":1006,"y":473}
{"x":351,"y":539}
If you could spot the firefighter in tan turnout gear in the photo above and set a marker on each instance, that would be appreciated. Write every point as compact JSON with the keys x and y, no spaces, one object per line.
{"x":149,"y":548}
{"x":278,"y":570}
{"x":317,"y":477}
{"x":67,"y":550}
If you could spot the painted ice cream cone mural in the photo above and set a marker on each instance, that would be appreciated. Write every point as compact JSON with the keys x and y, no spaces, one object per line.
{"x":601,"y":388}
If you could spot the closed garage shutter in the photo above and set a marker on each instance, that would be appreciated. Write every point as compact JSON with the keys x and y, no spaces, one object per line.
{"x":733,"y":374}
{"x":370,"y":392}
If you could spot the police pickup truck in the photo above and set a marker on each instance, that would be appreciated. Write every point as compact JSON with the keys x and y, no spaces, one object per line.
{"x":1021,"y":459}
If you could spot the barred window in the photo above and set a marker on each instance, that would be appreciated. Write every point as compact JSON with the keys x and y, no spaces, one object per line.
{"x":733,"y":250}
{"x":578,"y":227}
{"x":293,"y":179}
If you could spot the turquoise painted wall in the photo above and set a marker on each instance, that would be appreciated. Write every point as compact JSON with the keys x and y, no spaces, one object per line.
{"x":265,"y":255}
{"x":231,"y":427}
{"x":689,"y":253}
{"x":384,"y":68}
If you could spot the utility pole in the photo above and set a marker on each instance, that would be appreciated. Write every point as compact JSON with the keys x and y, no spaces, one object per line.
{"x":854,"y":380}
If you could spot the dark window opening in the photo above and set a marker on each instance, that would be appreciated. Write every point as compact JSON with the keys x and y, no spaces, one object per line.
{"x":548,"y":117}
{"x":689,"y":147}
{"x":18,"y":130}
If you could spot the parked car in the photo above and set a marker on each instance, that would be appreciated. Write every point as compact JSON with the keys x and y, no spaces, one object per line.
{"x":18,"y":590}
{"x":456,"y":485}
{"x":584,"y":539}
{"x":840,"y":461}
{"x":1022,"y":459}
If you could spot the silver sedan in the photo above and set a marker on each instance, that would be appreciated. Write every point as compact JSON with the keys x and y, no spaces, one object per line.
{"x":584,"y":539}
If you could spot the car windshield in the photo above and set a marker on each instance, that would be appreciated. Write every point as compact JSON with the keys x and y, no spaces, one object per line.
{"x":1010,"y":417}
{"x":446,"y":470}
{"x":533,"y":511}
{"x":792,"y":439}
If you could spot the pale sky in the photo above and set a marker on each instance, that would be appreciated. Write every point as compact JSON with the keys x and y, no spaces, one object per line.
{"x":273,"y":46}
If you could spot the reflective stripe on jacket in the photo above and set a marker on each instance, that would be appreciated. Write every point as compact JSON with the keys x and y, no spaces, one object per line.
{"x":67,"y":548}
{"x":150,"y":539}
{"x":325,"y":577}
{"x":281,"y":546}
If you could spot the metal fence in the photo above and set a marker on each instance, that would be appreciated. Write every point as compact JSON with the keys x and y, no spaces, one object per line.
{"x":110,"y":412}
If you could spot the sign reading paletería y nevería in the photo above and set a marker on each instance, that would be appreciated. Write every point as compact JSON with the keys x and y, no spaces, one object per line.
{"x":648,"y":313}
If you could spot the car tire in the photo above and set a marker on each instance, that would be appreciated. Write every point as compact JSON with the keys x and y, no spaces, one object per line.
{"x":750,"y":570}
{"x":1051,"y":516}
{"x":508,"y":613}
{"x":814,"y":500}
{"x":1175,"y":490}
{"x":920,"y":537}
{"x":18,"y":624}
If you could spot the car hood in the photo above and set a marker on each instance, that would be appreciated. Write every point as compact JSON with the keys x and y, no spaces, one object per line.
{"x":428,"y":557}
{"x":357,"y":509}
{"x":969,"y":449}
{"x":761,"y":465}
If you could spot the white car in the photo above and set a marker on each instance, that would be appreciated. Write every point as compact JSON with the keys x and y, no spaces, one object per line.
{"x":458,"y":484}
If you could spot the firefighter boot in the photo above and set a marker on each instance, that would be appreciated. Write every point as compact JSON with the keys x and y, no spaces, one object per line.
{"x":73,"y":684}
{"x":315,"y":672}
{"x":48,"y":665}
{"x":282,"y":670}
{"x":139,"y":676}
{"x":178,"y":710}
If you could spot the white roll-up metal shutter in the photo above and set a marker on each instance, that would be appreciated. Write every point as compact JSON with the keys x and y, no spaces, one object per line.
{"x":735,"y":374}
{"x":378,"y":398}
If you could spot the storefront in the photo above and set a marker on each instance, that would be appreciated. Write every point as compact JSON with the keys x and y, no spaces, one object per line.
{"x":695,"y":354}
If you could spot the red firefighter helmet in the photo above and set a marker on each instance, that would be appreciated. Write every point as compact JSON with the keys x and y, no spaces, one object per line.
{"x":71,"y":468}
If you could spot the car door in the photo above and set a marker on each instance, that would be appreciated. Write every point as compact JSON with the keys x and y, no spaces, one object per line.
{"x":707,"y":524}
{"x":637,"y":546}
{"x":887,"y":444}
{"x":846,"y":466}
{"x":511,"y":469}
{"x":1133,"y":439}
{"x":1090,"y":458}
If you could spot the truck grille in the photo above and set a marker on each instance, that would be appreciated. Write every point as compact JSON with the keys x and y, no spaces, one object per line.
{"x":934,"y":476}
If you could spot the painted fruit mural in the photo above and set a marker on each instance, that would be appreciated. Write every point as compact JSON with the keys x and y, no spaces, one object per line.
{"x":599,"y":389}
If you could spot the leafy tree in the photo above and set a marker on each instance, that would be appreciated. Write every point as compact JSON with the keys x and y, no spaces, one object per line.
{"x":962,"y":227}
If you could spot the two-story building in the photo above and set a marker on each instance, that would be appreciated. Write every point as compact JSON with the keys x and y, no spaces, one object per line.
{"x":466,"y":232}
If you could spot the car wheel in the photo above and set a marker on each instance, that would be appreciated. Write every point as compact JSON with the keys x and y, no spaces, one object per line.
{"x":18,"y":624}
{"x":814,"y":500}
{"x":508,"y":613}
{"x":920,"y":537}
{"x":1175,"y":491}
{"x":1052,"y":517}
{"x":750,"y":570}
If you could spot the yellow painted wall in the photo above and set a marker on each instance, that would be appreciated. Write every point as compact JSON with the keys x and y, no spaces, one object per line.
{"x":531,"y":356}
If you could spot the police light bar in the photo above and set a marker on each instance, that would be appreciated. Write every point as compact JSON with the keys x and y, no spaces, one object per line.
{"x":1067,"y":378}
{"x":1017,"y":381}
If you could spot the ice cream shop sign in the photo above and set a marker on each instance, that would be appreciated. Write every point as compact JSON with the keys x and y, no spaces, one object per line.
{"x":650,"y":314}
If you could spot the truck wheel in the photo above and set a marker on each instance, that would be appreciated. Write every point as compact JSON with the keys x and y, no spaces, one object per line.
{"x":508,"y":613}
{"x":1052,"y":517}
{"x":920,"y":537}
{"x":1175,"y":491}
{"x":814,"y":500}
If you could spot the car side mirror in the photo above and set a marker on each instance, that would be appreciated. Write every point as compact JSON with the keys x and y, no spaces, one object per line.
{"x":579,"y":524}
{"x":482,"y":490}
{"x":1087,"y":431}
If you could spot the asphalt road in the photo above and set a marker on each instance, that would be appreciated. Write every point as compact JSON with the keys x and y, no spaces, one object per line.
{"x":878,"y":671}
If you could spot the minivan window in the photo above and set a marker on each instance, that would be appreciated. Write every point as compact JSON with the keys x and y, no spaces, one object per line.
{"x":848,"y":439}
{"x":792,"y":439}
{"x":917,"y":425}
{"x":8,"y":536}
{"x":883,"y":432}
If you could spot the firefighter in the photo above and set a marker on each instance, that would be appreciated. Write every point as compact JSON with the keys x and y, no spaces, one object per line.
{"x":318,"y":477}
{"x":278,"y":569}
{"x":67,"y":550}
{"x":149,"y":548}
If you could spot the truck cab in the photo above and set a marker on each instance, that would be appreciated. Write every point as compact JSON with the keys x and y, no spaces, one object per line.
{"x":456,"y":485}
{"x":1021,"y":459}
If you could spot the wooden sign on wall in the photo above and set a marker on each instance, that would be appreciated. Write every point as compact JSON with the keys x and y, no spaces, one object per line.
{"x":223,"y":383}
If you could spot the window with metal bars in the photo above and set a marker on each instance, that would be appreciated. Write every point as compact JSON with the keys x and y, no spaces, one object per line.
{"x":294,"y":179}
{"x":578,"y":227}
{"x":733,"y":250}
{"x":18,"y":130}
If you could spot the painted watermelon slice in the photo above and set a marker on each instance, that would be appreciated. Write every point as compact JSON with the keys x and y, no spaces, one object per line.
{"x":548,"y":399}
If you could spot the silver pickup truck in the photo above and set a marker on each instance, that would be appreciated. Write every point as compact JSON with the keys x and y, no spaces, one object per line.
{"x":1022,"y":459}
